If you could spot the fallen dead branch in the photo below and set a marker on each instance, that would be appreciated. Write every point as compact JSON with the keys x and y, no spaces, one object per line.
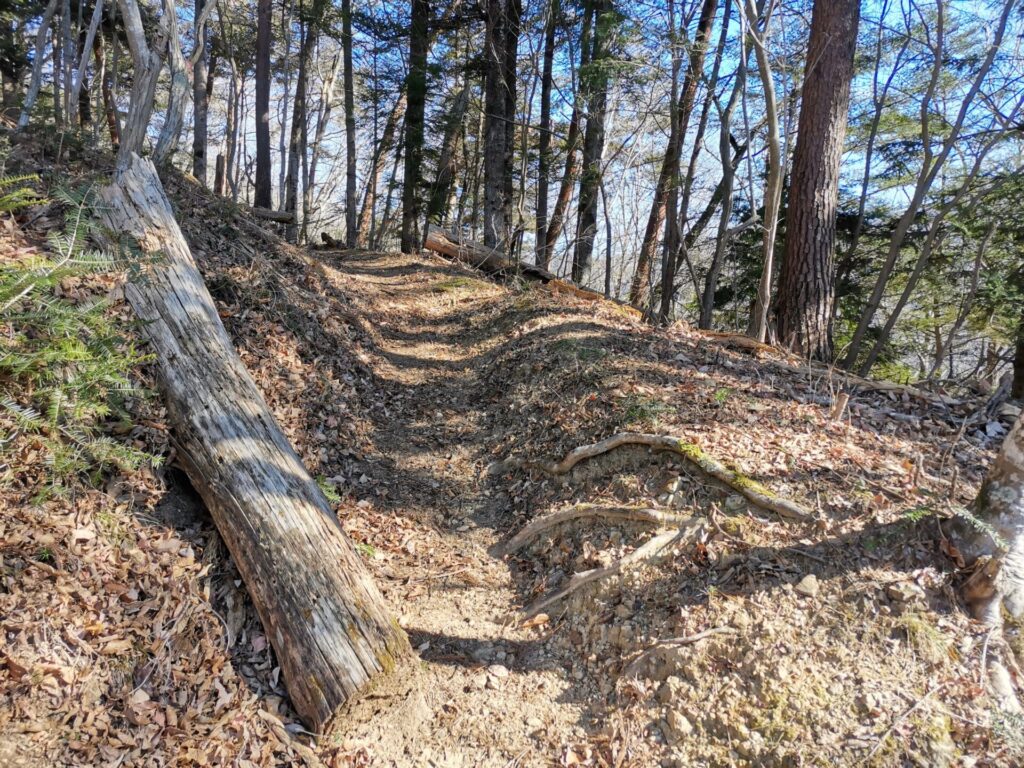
{"x":753,"y":491}
{"x":676,"y":641}
{"x":648,"y":551}
{"x":495,"y":262}
{"x":546,"y":522}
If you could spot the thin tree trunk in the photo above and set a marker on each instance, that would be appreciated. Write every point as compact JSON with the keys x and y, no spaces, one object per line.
{"x":930,"y":168}
{"x":200,"y":100}
{"x":682,"y":255}
{"x":147,"y":61}
{"x":264,"y":41}
{"x":377,"y":237}
{"x":350,"y":125}
{"x":323,"y":119}
{"x":773,"y":184}
{"x":437,"y":209}
{"x":543,"y":254}
{"x":380,"y":158}
{"x":878,"y":100}
{"x":296,"y":145}
{"x":572,"y":140}
{"x":932,"y":238}
{"x":417,"y":88}
{"x":596,"y":100}
{"x":36,"y":80}
{"x":668,"y":178}
{"x":107,"y":90}
{"x":79,"y":75}
{"x":178,"y":97}
{"x":966,"y":306}
{"x":509,"y":74}
{"x":707,"y":306}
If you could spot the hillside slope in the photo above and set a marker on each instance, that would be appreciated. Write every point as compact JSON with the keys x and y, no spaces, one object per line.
{"x":406,"y":384}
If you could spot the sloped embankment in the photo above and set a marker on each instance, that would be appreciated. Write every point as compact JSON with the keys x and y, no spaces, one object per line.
{"x":405,"y":383}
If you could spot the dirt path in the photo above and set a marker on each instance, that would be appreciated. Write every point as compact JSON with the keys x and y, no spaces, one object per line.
{"x":492,"y":693}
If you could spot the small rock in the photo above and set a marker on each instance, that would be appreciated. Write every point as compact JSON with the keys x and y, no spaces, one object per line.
{"x":679,"y":726}
{"x":808,"y":586}
{"x":735,"y":503}
{"x":498,"y":670}
{"x":905,"y":591}
{"x":623,"y":611}
{"x":534,"y":722}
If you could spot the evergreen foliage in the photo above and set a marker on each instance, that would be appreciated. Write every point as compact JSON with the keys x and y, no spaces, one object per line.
{"x":66,"y":365}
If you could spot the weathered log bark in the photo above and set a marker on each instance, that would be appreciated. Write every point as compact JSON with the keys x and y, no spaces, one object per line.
{"x":486,"y":259}
{"x":284,"y":217}
{"x":1000,"y":504}
{"x":325,"y":618}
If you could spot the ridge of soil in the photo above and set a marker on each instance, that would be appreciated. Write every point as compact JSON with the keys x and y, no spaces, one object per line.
{"x":404,"y":383}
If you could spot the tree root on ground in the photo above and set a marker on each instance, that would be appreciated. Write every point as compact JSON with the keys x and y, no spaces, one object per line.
{"x":651,"y":550}
{"x":546,"y":522}
{"x":753,"y":491}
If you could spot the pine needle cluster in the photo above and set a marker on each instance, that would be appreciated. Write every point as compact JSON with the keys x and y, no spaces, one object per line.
{"x":67,"y":366}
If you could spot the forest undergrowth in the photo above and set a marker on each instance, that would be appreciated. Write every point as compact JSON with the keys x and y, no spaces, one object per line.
{"x":423,"y":398}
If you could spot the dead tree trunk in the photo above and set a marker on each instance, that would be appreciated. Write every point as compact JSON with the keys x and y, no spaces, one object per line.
{"x":325,"y":618}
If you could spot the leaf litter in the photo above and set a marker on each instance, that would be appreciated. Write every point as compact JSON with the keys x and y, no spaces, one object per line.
{"x":128,"y":638}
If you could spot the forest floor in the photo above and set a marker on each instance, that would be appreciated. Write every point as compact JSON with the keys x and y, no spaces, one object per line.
{"x":406,"y":384}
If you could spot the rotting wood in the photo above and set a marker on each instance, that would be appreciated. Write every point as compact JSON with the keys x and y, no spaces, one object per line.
{"x":325,"y":618}
{"x":750,"y":489}
{"x":580,"y":511}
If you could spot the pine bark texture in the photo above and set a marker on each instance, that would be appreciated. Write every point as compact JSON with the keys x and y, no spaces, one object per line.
{"x":806,"y":283}
{"x":325,"y":618}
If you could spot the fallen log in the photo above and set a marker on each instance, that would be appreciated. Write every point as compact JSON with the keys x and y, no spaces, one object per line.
{"x":283,"y":217}
{"x":494,"y":262}
{"x":324,"y":616}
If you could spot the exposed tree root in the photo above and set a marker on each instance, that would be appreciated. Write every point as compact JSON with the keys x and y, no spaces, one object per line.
{"x":753,"y":491}
{"x":639,"y":514}
{"x":634,"y":665}
{"x":649,"y":551}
